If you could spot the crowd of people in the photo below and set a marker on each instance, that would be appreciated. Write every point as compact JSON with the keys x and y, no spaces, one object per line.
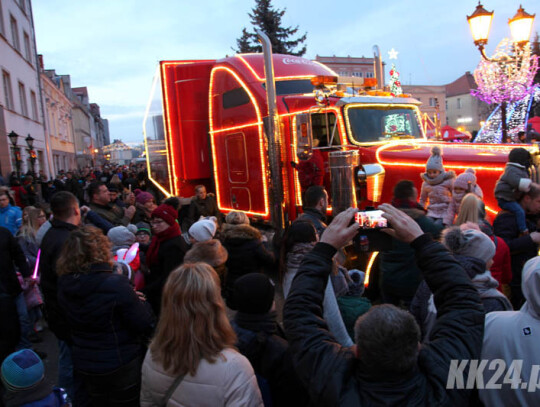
{"x":158,"y":301}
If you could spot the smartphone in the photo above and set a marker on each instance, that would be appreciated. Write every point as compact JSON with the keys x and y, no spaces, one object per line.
{"x":371,"y":219}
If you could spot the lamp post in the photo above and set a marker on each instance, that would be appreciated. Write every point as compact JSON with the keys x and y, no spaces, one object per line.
{"x":31,"y":153}
{"x":520,"y":27}
{"x":16,"y":152}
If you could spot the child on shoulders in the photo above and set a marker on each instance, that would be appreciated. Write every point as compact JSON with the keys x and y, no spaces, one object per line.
{"x":465,"y":183}
{"x":437,"y":186}
{"x":514,"y":181}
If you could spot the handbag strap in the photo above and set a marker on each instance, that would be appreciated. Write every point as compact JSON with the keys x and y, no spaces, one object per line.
{"x":171,"y":389}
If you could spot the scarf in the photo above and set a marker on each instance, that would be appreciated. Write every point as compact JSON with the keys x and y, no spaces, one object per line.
{"x":407,"y":204}
{"x":170,"y":233}
{"x":487,"y":288}
{"x":443,"y":176}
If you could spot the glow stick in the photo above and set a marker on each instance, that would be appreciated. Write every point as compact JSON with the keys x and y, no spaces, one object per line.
{"x":34,"y":276}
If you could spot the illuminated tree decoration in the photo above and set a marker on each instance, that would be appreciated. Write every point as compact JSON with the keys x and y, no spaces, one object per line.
{"x":395,"y":84}
{"x":517,"y":114}
{"x":507,"y":79}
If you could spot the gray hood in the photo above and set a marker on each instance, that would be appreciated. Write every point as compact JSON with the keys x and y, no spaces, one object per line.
{"x":530,"y":285}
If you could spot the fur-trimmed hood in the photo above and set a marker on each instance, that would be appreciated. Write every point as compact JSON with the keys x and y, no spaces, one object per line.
{"x":245,"y":232}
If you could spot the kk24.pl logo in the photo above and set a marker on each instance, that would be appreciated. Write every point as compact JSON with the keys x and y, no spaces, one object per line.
{"x":496,"y":372}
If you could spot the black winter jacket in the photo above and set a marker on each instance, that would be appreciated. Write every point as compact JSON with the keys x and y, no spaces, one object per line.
{"x":11,"y":255}
{"x":170,"y":255}
{"x":109,"y":324}
{"x":247,"y":254}
{"x":522,"y":248}
{"x":334,"y":375}
{"x":51,"y":246}
{"x":316,"y":217}
{"x":261,"y":340}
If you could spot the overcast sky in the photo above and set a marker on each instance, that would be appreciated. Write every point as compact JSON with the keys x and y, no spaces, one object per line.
{"x":113,"y":46}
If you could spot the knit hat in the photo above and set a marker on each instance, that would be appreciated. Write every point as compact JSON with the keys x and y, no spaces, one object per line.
{"x":435,"y":162}
{"x":22,"y":370}
{"x":121,"y":236}
{"x":204,"y":229}
{"x":142,"y":197}
{"x":143,"y":227}
{"x":520,"y":156}
{"x":165,"y":212}
{"x":253,"y":293}
{"x":237,"y":218}
{"x":210,"y":252}
{"x":466,"y":180}
{"x":471,"y":243}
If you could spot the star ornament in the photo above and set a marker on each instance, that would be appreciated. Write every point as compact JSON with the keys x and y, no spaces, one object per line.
{"x":392,"y":54}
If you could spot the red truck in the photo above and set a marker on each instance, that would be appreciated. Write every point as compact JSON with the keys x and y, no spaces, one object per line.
{"x":236,"y":125}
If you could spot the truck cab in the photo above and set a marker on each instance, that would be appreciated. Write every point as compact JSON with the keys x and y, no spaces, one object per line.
{"x":208,"y":123}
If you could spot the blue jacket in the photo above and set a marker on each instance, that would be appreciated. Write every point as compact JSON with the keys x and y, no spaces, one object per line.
{"x":11,"y":218}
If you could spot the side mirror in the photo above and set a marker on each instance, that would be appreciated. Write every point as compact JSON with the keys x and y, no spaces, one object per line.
{"x":304,"y":136}
{"x":373,"y":176}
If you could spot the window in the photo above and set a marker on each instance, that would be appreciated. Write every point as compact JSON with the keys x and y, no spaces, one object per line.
{"x":2,"y":29}
{"x":358,"y":74}
{"x":325,"y":129}
{"x":27,"y":48}
{"x":433,"y":102}
{"x":458,"y":103}
{"x":234,"y":98}
{"x":6,"y":81}
{"x":33,"y":101}
{"x":15,"y":34}
{"x":344,"y":73}
{"x":22,"y":98}
{"x":294,"y":87}
{"x":370,"y":75}
{"x":446,"y":105}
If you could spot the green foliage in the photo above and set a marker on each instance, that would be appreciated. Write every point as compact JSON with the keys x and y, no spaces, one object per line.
{"x":268,"y":19}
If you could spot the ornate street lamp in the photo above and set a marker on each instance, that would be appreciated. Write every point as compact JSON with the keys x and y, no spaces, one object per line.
{"x":16,"y":152}
{"x":30,"y":143}
{"x":513,"y":65}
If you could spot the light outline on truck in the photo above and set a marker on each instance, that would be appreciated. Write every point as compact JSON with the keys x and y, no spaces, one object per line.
{"x":212,"y":133}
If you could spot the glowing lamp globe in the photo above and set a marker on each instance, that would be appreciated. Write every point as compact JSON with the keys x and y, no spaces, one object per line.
{"x":521,"y":26}
{"x":480,"y":24}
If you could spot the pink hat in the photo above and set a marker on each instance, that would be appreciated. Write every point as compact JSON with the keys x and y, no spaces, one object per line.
{"x":142,"y":197}
{"x":466,"y":180}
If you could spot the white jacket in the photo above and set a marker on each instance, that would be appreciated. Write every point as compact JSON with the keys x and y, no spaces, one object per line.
{"x":515,"y":335}
{"x":229,"y":381}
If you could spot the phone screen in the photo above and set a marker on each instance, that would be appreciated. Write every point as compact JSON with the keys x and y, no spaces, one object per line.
{"x":371,"y":219}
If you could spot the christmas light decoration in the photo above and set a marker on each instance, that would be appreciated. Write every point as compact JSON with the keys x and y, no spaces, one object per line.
{"x":517,"y":114}
{"x":505,"y":78}
{"x":395,"y":84}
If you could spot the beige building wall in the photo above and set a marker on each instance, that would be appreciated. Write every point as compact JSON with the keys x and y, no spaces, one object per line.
{"x":466,"y":112}
{"x":59,"y":122}
{"x":430,"y":96}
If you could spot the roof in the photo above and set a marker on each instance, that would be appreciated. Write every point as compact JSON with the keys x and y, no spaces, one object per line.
{"x":461,"y":86}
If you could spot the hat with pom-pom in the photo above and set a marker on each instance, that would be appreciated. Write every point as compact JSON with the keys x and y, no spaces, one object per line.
{"x":142,"y":197}
{"x":435,"y":162}
{"x":471,"y":242}
{"x":466,"y":180}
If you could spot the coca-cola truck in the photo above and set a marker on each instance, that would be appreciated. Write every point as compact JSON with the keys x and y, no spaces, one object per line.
{"x":237,"y":124}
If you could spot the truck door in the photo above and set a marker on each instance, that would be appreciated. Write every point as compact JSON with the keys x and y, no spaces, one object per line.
{"x":238,"y":146}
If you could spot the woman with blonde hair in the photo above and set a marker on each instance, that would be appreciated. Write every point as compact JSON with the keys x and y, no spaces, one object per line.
{"x":32,"y":219}
{"x":469,"y":211}
{"x":191,"y":360}
{"x":109,"y":321}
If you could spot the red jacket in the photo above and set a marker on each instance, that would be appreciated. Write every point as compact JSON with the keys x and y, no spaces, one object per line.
{"x":501,"y":270}
{"x":311,"y":172}
{"x":535,"y":122}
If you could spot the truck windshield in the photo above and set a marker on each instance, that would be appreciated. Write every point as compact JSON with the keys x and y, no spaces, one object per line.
{"x":383,"y":123}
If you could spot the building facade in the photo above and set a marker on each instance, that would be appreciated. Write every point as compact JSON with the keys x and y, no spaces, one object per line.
{"x":350,"y":69}
{"x":463,"y":111}
{"x":432,"y":98}
{"x":20,"y":92}
{"x":58,"y":120}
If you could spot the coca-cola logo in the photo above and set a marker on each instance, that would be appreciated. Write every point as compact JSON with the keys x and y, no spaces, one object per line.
{"x":296,"y":61}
